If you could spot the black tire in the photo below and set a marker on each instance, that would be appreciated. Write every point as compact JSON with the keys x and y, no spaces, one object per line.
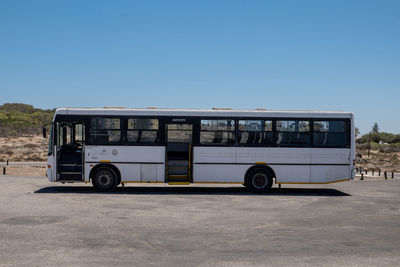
{"x":259,"y":180}
{"x":105,"y":179}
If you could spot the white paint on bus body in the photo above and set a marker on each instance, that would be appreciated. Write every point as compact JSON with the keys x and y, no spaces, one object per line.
{"x":221,"y":164}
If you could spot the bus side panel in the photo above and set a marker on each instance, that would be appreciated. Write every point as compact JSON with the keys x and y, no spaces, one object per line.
{"x":290,"y":164}
{"x":338,"y":164}
{"x":223,"y":173}
{"x":331,"y":173}
{"x":125,"y":154}
{"x":216,"y":164}
{"x":135,"y":163}
{"x":273,"y":155}
{"x":214,"y":155}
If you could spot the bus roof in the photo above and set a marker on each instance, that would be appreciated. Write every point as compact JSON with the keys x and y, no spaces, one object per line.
{"x":117,"y":111}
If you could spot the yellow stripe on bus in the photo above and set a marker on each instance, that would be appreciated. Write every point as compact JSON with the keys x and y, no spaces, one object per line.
{"x":217,"y":182}
{"x":313,"y":183}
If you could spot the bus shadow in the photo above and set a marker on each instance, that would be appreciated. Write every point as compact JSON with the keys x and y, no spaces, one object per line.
{"x":138,"y":190}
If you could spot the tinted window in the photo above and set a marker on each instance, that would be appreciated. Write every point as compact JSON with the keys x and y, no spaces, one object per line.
{"x":331,"y":133}
{"x":142,"y":130}
{"x":255,"y":132}
{"x":105,"y":130}
{"x":293,"y":132}
{"x":217,"y":132}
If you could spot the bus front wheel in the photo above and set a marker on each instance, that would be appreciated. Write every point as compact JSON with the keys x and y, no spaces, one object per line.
{"x":259,"y":180}
{"x":105,"y":179}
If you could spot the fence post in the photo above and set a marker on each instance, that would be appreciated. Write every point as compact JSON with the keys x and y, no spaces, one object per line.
{"x":385,"y":173}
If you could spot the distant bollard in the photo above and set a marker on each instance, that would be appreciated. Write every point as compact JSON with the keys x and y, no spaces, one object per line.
{"x":385,"y":174}
{"x":7,"y":162}
{"x":362,"y":176}
{"x":373,"y":172}
{"x":366,"y":171}
{"x":392,"y":175}
{"x":4,"y":170}
{"x":379,"y":172}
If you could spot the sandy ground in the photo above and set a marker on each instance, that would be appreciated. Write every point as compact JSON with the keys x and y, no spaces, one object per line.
{"x":26,"y":171}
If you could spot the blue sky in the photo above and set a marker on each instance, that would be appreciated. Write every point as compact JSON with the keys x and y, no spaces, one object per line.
{"x":328,"y":55}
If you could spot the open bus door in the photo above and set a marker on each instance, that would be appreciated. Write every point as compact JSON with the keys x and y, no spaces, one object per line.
{"x":70,"y":151}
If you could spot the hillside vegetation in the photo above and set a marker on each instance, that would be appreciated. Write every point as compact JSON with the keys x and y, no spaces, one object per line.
{"x":379,"y":150}
{"x":18,"y":119}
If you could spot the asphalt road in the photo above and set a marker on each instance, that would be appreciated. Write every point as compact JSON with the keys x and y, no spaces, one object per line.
{"x":46,"y":224}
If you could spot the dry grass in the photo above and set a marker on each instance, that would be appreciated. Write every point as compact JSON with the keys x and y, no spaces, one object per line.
{"x":389,"y":161}
{"x":24,"y":148}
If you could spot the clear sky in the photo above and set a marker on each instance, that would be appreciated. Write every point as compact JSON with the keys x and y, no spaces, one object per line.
{"x":328,"y":55}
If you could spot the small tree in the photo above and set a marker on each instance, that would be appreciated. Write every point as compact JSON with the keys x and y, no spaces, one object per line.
{"x":375,"y":128}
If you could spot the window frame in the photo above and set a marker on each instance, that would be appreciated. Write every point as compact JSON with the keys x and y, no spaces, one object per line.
{"x":256,"y":119}
{"x":234,"y":131}
{"x":121,"y":129}
{"x":348,"y":132}
{"x":159,"y":131}
{"x":309,"y":133}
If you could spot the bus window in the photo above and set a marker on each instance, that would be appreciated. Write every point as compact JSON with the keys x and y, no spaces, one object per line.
{"x":217,"y":132}
{"x":105,"y":131}
{"x":331,"y":133}
{"x":142,"y":131}
{"x":293,"y":132}
{"x":255,"y":132}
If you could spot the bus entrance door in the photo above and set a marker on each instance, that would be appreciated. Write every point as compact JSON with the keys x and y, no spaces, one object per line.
{"x":70,"y":146}
{"x":178,"y":165}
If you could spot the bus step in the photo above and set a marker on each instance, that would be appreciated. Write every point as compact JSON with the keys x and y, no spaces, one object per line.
{"x":178,"y":172}
{"x":178,"y":177}
{"x":178,"y":163}
{"x":178,"y":167}
{"x":178,"y":183}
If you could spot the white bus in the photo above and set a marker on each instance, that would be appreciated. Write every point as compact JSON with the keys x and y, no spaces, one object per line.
{"x":256,"y":148}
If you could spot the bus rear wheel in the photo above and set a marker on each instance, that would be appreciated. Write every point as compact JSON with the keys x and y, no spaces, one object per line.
{"x":105,"y":179}
{"x":259,"y":180}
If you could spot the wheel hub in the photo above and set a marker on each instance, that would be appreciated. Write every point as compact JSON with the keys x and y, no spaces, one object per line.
{"x":260,"y":180}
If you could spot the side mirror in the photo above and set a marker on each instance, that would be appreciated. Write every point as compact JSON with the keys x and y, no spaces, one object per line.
{"x":44,"y":131}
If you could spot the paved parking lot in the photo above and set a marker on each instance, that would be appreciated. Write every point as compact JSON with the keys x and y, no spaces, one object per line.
{"x":350,"y":223}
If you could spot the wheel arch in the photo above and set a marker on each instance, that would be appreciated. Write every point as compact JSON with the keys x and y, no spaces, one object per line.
{"x":264,"y":166}
{"x":106,"y":165}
